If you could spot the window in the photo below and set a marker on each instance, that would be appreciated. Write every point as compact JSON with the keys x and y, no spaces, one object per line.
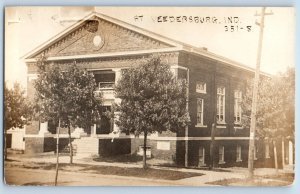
{"x":221,"y":155}
{"x":237,"y":107}
{"x":201,"y":156}
{"x":201,"y":87}
{"x":267,"y":150}
{"x":238,"y":153}
{"x":221,"y":104}
{"x":255,"y":153}
{"x":200,"y":111}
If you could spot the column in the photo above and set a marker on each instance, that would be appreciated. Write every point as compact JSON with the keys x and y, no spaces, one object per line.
{"x":44,"y":128}
{"x":118,"y":75}
{"x":94,"y":127}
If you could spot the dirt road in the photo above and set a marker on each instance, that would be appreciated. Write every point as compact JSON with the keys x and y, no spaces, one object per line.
{"x":21,"y":176}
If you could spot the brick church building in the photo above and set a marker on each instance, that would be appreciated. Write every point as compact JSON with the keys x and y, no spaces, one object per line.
{"x":105,"y":46}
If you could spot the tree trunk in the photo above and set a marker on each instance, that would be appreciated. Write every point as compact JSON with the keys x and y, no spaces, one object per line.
{"x":145,"y":149}
{"x":275,"y":155}
{"x":70,"y":144}
{"x":57,"y":153}
{"x":5,"y":146}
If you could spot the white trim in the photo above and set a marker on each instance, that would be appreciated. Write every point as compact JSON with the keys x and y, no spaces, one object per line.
{"x":221,"y":126}
{"x":40,"y":135}
{"x":200,"y":126}
{"x":108,"y":136}
{"x":112,"y":54}
{"x":174,"y":43}
{"x":238,"y":127}
{"x":142,"y":31}
{"x":56,"y":37}
{"x":179,"y":66}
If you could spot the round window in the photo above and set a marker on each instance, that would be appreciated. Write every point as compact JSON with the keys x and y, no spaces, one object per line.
{"x":97,"y":40}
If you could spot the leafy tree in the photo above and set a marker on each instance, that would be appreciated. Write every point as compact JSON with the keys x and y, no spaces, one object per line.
{"x":17,"y":110}
{"x":66,"y":95}
{"x":276,"y":106}
{"x":153,"y":100}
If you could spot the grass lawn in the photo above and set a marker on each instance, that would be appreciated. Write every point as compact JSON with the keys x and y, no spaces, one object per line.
{"x":110,"y":170}
{"x":283,"y":179}
{"x":127,"y":158}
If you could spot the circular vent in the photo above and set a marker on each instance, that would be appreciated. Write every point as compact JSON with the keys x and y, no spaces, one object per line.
{"x":97,"y":40}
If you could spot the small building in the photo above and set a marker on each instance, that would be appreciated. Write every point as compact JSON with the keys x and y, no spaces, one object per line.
{"x":15,"y":139}
{"x":105,"y":46}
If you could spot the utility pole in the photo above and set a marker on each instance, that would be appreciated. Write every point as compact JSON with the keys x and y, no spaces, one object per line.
{"x":186,"y":161}
{"x":255,"y":93}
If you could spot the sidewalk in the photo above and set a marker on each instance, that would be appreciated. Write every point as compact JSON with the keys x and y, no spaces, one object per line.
{"x":209,"y":176}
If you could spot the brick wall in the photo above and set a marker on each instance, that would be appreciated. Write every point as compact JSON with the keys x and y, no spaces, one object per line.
{"x":209,"y":71}
{"x":114,"y":38}
{"x":107,"y":147}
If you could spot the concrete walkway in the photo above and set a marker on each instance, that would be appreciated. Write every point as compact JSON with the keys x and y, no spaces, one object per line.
{"x":209,"y":176}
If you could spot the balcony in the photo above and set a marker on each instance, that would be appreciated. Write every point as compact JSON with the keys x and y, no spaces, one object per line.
{"x":107,"y":90}
{"x":106,"y":85}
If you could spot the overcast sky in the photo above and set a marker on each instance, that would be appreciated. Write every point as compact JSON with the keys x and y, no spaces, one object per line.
{"x":28,"y":27}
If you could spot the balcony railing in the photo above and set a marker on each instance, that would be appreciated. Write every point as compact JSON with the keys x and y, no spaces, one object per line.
{"x":106,"y":85}
{"x":106,"y":90}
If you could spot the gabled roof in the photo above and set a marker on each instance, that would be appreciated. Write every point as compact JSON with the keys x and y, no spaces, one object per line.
{"x":174,"y":44}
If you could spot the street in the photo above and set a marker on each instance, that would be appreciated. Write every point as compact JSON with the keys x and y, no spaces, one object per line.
{"x":41,"y":171}
{"x":21,"y":176}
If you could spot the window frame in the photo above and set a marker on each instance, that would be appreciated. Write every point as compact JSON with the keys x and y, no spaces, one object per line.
{"x":237,"y":107}
{"x":221,"y":99}
{"x":222,"y":153}
{"x":255,"y":153}
{"x":203,"y":91}
{"x":238,"y":153}
{"x":203,"y":156}
{"x":201,"y":123}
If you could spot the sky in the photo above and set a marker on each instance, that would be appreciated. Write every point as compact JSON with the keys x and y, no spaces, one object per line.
{"x":28,"y":27}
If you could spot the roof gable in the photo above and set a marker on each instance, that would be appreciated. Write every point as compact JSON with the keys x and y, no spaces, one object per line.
{"x":117,"y":38}
{"x":100,"y":34}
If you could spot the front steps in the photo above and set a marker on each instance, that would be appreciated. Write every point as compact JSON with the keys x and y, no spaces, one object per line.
{"x":86,"y":146}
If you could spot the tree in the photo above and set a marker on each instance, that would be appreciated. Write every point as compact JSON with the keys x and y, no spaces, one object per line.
{"x":17,"y":110}
{"x":66,"y":95}
{"x":276,"y":107}
{"x":153,"y":100}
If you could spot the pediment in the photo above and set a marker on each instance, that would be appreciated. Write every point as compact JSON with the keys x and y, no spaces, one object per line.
{"x":97,"y":35}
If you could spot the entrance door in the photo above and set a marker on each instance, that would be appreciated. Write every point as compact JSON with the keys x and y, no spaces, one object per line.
{"x":104,"y":126}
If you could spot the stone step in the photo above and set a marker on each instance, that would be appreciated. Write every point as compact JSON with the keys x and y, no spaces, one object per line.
{"x":86,"y":146}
